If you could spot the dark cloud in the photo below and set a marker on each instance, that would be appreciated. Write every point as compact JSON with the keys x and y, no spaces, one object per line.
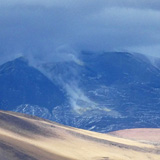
{"x":40,"y":28}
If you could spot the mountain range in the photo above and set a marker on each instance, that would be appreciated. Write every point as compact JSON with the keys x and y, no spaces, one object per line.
{"x":101,"y":92}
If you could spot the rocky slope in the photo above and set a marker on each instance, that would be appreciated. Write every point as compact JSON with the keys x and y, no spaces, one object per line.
{"x":100,"y":92}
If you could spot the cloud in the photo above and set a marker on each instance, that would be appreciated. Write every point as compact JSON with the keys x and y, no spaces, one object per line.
{"x":39,"y":28}
{"x":144,"y":4}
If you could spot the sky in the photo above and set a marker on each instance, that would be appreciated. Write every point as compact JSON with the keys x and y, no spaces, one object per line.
{"x":50,"y":29}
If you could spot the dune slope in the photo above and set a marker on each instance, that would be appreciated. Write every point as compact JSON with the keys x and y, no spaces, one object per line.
{"x":30,"y":138}
{"x":150,"y":135}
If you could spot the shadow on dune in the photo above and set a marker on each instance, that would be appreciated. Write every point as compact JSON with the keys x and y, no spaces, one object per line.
{"x":23,"y":126}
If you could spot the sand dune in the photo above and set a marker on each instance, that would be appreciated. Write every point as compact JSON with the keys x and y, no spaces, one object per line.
{"x":150,"y":135}
{"x":31,"y":138}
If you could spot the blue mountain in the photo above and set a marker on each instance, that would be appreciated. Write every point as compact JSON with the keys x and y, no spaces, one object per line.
{"x":22,"y":84}
{"x":118,"y":90}
{"x":102,"y":92}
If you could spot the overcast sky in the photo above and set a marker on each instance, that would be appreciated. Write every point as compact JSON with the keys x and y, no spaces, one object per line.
{"x":46,"y":27}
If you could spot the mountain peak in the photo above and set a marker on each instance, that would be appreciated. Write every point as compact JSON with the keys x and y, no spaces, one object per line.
{"x":27,"y":85}
{"x":21,"y":59}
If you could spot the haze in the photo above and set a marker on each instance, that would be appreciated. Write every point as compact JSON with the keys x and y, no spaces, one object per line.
{"x":39,"y":28}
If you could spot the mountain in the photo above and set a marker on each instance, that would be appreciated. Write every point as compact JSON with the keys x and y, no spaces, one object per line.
{"x":101,"y":92}
{"x":22,"y":84}
{"x":119,"y":89}
{"x":31,"y":138}
{"x":120,"y":68}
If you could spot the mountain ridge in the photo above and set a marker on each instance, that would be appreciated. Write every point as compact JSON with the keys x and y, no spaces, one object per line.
{"x":21,"y":84}
{"x":121,"y":90}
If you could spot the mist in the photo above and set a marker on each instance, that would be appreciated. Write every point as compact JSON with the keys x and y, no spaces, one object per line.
{"x":57,"y":30}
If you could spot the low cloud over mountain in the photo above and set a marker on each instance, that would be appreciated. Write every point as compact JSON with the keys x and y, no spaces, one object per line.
{"x":40,"y":28}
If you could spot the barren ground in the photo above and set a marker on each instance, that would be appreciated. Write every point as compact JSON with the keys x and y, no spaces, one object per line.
{"x":31,"y":138}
